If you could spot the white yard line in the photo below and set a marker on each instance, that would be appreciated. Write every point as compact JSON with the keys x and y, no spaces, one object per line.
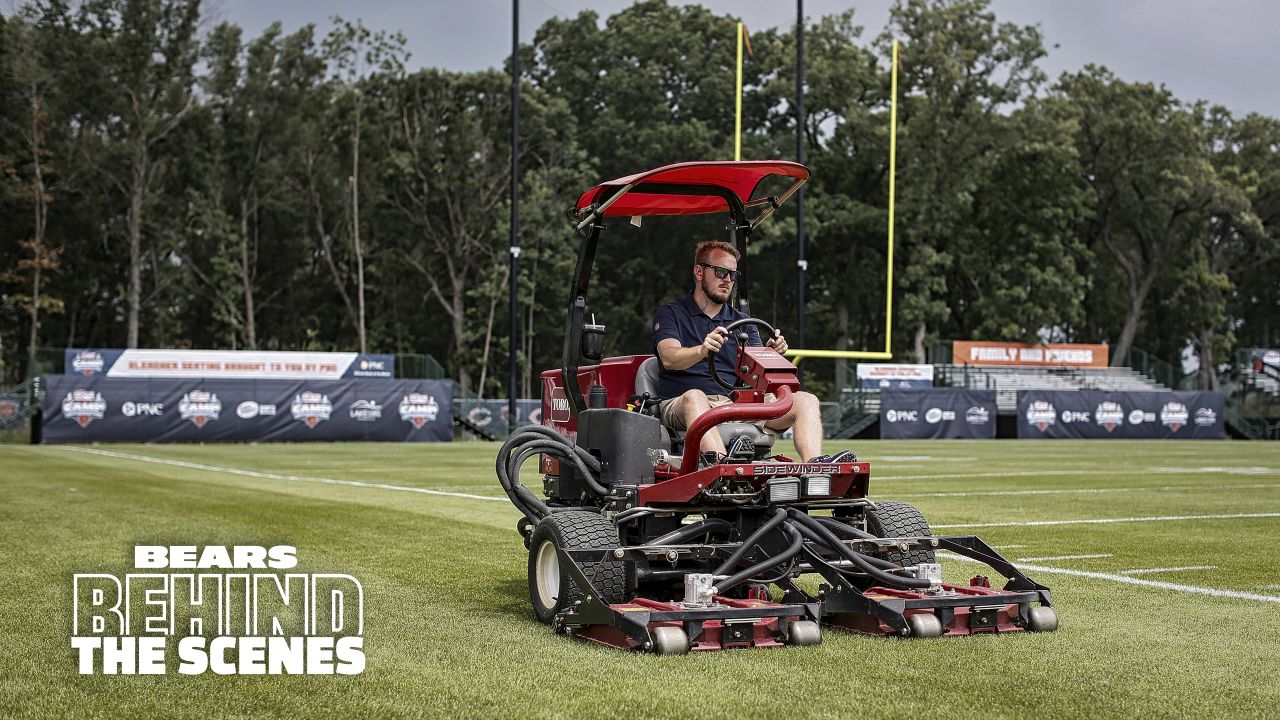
{"x":1065,"y":557}
{"x":274,"y":476}
{"x":1150,"y":571}
{"x":1092,"y":491}
{"x":1212,"y":592}
{"x":1020,"y":473}
{"x":1226,"y":469}
{"x":1104,"y":521}
{"x":1006,"y":547}
{"x":1049,"y":473}
{"x":918,"y":458}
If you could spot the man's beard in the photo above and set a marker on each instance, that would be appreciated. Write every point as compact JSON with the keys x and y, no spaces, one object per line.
{"x":713,"y":290}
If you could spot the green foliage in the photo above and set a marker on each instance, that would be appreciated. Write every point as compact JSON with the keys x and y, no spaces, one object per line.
{"x":284,"y":191}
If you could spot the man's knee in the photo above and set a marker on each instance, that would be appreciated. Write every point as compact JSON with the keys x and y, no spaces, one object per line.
{"x":693,"y":400}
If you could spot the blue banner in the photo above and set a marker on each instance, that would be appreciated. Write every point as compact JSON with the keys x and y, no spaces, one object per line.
{"x":937,"y":413}
{"x":103,"y":409}
{"x":1129,"y":415}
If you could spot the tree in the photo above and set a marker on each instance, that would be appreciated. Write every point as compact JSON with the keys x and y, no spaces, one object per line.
{"x":1148,"y":181}
{"x":448,"y":150}
{"x":353,"y":49}
{"x":960,"y":69}
{"x":30,"y":177}
{"x":140,"y":56}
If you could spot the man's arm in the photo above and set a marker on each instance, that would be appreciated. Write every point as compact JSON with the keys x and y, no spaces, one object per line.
{"x":674,"y":357}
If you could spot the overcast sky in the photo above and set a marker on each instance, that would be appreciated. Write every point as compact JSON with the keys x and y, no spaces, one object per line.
{"x":1224,"y":51}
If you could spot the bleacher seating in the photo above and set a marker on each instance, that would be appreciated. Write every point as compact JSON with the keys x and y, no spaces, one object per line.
{"x":1008,"y":380}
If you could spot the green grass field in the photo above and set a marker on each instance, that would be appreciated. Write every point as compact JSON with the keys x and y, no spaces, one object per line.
{"x":449,"y":632}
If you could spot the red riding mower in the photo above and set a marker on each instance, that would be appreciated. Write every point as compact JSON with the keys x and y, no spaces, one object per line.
{"x":638,"y":546}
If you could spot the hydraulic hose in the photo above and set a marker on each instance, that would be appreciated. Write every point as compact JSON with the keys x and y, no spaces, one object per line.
{"x":692,"y":530}
{"x":797,"y":543}
{"x":814,"y":537}
{"x":838,"y":527}
{"x":531,"y":440}
{"x":857,"y":558}
{"x":773,"y":522}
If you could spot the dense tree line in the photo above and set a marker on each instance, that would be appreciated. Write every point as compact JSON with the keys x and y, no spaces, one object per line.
{"x":168,"y":184}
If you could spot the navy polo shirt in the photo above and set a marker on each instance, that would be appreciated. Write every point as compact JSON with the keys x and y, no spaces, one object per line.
{"x":684,"y":321}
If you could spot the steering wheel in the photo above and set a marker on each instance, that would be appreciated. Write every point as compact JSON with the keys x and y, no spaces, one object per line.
{"x":766,"y":332}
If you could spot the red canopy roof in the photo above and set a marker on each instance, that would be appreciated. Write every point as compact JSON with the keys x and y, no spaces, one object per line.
{"x":738,"y":177}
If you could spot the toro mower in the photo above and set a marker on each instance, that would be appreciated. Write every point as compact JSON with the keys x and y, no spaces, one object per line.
{"x":642,"y":544}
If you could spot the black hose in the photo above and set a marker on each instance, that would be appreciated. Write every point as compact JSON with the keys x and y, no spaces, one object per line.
{"x":531,"y":440}
{"x":838,"y":527}
{"x":857,"y":558}
{"x":797,"y":543}
{"x":752,"y":539}
{"x":814,"y":537}
{"x":692,"y":530}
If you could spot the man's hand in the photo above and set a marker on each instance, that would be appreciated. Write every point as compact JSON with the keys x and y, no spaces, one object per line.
{"x":778,"y":342}
{"x":714,"y":340}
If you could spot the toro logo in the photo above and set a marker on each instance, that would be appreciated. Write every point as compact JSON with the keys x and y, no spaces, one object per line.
{"x":1109,"y":415}
{"x":897,"y":416}
{"x":311,"y":408}
{"x":84,"y":406}
{"x":87,"y":363}
{"x":418,"y":409}
{"x":1174,"y":415}
{"x":559,"y":406}
{"x":199,"y":407}
{"x":1042,"y":414}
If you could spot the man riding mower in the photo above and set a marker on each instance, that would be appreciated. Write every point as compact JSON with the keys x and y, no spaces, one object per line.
{"x":642,"y":543}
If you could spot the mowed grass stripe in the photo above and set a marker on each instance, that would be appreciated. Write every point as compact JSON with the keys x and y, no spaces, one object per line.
{"x":1032,"y":568}
{"x":276,"y":476}
{"x":451,"y":635}
{"x":400,"y":488}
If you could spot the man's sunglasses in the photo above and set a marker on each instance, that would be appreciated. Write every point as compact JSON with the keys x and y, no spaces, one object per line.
{"x":722,"y":272}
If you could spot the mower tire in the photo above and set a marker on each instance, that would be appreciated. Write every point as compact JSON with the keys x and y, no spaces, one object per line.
{"x":891,"y":519}
{"x":805,"y":632}
{"x":924,"y":625}
{"x":1042,"y":618}
{"x":669,"y":640}
{"x":550,"y":590}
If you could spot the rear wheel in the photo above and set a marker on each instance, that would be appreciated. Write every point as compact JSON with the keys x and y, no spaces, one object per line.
{"x":551,"y":590}
{"x":898,"y":519}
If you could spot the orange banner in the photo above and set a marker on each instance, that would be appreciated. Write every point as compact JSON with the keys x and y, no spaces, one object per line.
{"x":972,"y":352}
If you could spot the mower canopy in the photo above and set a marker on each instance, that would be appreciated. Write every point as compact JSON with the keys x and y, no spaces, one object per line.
{"x":690,"y":188}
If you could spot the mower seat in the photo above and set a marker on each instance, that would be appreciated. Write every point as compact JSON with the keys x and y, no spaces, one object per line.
{"x":730,"y":432}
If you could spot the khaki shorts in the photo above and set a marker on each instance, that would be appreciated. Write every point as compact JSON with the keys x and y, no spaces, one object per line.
{"x":673,"y":419}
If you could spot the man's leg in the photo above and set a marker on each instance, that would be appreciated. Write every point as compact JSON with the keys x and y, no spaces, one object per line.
{"x":685,"y":409}
{"x":806,"y":416}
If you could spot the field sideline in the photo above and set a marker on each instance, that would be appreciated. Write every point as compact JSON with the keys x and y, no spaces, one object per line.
{"x":1157,"y":554}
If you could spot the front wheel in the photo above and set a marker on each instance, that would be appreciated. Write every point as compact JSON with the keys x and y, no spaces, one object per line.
{"x":552,"y":591}
{"x":898,"y":519}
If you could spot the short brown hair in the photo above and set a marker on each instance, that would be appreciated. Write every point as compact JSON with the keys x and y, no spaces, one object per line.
{"x":706,"y":248}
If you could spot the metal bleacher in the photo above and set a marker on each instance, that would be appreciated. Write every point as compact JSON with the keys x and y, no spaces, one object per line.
{"x":1008,"y":380}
